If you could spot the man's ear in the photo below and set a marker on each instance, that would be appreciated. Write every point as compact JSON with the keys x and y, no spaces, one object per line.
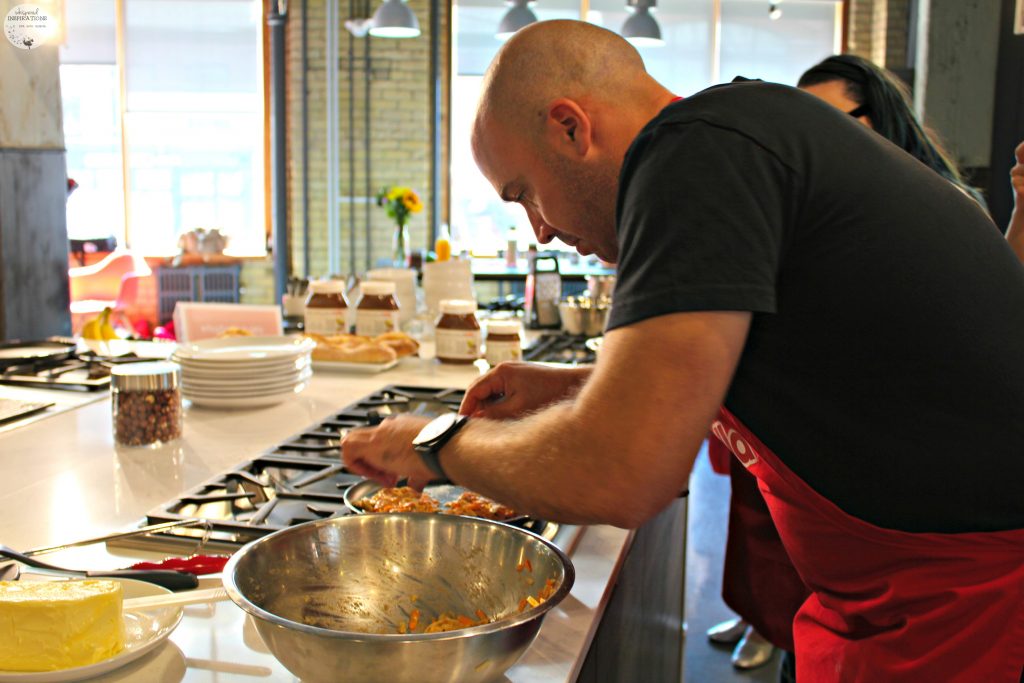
{"x":568,"y":126}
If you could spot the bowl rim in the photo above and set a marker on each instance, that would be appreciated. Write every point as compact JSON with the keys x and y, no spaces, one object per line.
{"x":236,"y":595}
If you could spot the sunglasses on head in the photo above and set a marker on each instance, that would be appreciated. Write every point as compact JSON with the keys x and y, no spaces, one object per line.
{"x":860,"y":111}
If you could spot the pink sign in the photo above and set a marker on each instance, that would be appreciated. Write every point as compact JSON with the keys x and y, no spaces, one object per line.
{"x":194,"y":321}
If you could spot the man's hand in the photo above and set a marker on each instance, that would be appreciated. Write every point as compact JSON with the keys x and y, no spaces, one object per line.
{"x":385,"y":454}
{"x":1015,"y":231}
{"x":513,"y":389}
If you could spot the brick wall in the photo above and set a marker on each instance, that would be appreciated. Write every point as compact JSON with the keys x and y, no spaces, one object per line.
{"x":256,"y":282}
{"x":398,"y":133}
{"x":860,"y":34}
{"x":878,"y":31}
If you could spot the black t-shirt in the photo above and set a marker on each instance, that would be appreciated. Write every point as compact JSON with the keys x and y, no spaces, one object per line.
{"x":885,"y":359}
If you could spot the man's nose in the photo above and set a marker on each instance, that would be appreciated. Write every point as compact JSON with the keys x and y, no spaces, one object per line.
{"x":541,"y":229}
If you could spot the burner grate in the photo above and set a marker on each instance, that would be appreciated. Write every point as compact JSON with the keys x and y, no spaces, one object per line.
{"x":299,"y":480}
{"x":84,"y":371}
{"x":560,"y":348}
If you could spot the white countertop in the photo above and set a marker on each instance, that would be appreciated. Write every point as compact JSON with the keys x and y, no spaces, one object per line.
{"x":64,"y":480}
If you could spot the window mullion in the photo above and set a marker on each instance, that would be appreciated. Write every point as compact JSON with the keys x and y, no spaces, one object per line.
{"x":120,"y":51}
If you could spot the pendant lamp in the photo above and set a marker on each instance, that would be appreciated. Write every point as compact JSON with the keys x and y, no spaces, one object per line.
{"x":641,"y":28}
{"x":394,"y":19}
{"x":518,"y":16}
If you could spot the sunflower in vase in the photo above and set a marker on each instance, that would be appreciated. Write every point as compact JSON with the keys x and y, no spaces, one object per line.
{"x":400,"y":203}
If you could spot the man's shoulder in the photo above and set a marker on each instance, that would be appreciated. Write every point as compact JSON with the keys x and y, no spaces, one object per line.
{"x":742,"y":103}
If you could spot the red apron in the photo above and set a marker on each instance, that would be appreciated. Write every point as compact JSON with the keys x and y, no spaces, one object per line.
{"x":758,"y":580}
{"x":890,"y":605}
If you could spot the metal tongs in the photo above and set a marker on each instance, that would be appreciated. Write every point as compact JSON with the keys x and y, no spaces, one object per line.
{"x":162,"y":574}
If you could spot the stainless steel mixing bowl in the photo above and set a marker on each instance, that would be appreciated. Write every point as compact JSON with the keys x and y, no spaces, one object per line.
{"x":328,"y":596}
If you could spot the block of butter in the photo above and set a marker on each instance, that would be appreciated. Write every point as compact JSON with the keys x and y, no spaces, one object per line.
{"x":52,"y":625}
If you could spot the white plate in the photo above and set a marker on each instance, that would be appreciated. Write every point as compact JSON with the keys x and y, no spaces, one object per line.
{"x":364,"y":368}
{"x":275,"y":363}
{"x":246,"y":382}
{"x":247,"y":401}
{"x":245,"y":349}
{"x":143,"y":632}
{"x":203,"y":392}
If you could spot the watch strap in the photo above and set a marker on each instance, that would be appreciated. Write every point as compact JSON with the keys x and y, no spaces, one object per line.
{"x":430,"y":451}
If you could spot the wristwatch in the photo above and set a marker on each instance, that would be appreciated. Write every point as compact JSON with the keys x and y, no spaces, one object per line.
{"x":432,"y":438}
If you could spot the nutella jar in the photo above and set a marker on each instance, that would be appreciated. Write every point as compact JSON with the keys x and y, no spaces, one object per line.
{"x":146,"y":400}
{"x":326,"y":308}
{"x":457,"y":333}
{"x":377,"y":312}
{"x":503,"y":342}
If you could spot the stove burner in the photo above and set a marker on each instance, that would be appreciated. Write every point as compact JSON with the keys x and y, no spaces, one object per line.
{"x":83,"y":371}
{"x":560,"y":348}
{"x":300,"y":480}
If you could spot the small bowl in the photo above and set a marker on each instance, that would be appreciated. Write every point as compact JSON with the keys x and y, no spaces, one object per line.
{"x":328,"y":596}
{"x":583,"y":316}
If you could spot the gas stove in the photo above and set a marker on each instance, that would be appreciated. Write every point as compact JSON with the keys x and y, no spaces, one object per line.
{"x":560,"y":348}
{"x":82,"y":371}
{"x":299,"y":480}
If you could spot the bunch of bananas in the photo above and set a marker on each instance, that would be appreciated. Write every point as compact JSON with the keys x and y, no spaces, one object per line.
{"x":100,"y":327}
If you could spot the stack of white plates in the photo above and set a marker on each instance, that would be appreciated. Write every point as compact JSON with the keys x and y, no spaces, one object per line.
{"x":244,"y":372}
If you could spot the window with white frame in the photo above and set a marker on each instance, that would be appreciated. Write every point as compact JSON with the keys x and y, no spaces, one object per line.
{"x":700,"y":50}
{"x":185,"y":141}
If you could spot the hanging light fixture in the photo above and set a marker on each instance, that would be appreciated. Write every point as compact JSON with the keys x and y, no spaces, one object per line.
{"x":774,"y":11}
{"x":641,"y":28}
{"x":518,"y":16}
{"x":394,"y":19}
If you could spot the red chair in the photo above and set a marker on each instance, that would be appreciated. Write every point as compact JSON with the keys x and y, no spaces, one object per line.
{"x":112,"y":282}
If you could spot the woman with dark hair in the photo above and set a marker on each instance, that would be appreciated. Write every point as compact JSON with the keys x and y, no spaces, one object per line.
{"x":879,"y":100}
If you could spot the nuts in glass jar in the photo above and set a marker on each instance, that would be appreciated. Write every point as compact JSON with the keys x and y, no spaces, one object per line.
{"x":146,"y":403}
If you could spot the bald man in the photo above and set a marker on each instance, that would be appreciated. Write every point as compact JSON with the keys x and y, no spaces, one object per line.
{"x":842,"y":318}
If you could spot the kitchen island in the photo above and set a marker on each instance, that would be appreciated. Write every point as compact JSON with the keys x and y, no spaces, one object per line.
{"x":65,"y":480}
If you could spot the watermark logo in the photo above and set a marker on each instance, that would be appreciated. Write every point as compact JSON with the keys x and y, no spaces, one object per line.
{"x":28,"y":26}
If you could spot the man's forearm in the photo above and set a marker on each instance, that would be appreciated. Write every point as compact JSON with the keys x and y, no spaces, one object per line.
{"x":543,"y":465}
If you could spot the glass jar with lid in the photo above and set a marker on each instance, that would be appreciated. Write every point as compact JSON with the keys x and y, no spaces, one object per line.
{"x":326,"y":309}
{"x":503,"y":341}
{"x":457,"y":332}
{"x":377,"y":312}
{"x":146,"y":403}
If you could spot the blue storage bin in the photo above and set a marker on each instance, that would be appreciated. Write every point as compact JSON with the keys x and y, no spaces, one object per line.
{"x":211,"y":284}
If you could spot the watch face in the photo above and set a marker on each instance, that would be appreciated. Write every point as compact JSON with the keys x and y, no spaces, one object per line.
{"x":436,"y":428}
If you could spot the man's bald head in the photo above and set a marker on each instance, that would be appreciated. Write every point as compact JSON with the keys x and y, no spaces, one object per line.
{"x":560,"y":105}
{"x":552,"y":59}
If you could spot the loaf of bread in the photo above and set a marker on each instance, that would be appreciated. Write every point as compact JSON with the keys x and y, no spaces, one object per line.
{"x":355,"y":353}
{"x":403,"y":344}
{"x":53,"y":625}
{"x":353,"y":348}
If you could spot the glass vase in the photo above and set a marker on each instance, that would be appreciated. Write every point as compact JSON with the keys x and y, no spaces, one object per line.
{"x":400,"y":247}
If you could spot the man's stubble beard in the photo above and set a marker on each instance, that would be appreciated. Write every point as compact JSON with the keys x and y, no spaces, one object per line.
{"x":596,"y":191}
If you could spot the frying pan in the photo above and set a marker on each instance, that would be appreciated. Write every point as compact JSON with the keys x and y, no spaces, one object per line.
{"x":22,"y":352}
{"x":441,"y":492}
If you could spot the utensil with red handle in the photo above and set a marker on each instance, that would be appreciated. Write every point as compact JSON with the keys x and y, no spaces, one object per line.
{"x":172,"y":580}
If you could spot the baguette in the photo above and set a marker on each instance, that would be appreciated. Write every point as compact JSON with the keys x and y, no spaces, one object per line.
{"x":403,"y":344}
{"x":355,"y":353}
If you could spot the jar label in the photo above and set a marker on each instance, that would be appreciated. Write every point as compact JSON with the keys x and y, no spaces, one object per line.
{"x":501,"y":351}
{"x":370,"y":323}
{"x":457,"y":344}
{"x":328,"y":321}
